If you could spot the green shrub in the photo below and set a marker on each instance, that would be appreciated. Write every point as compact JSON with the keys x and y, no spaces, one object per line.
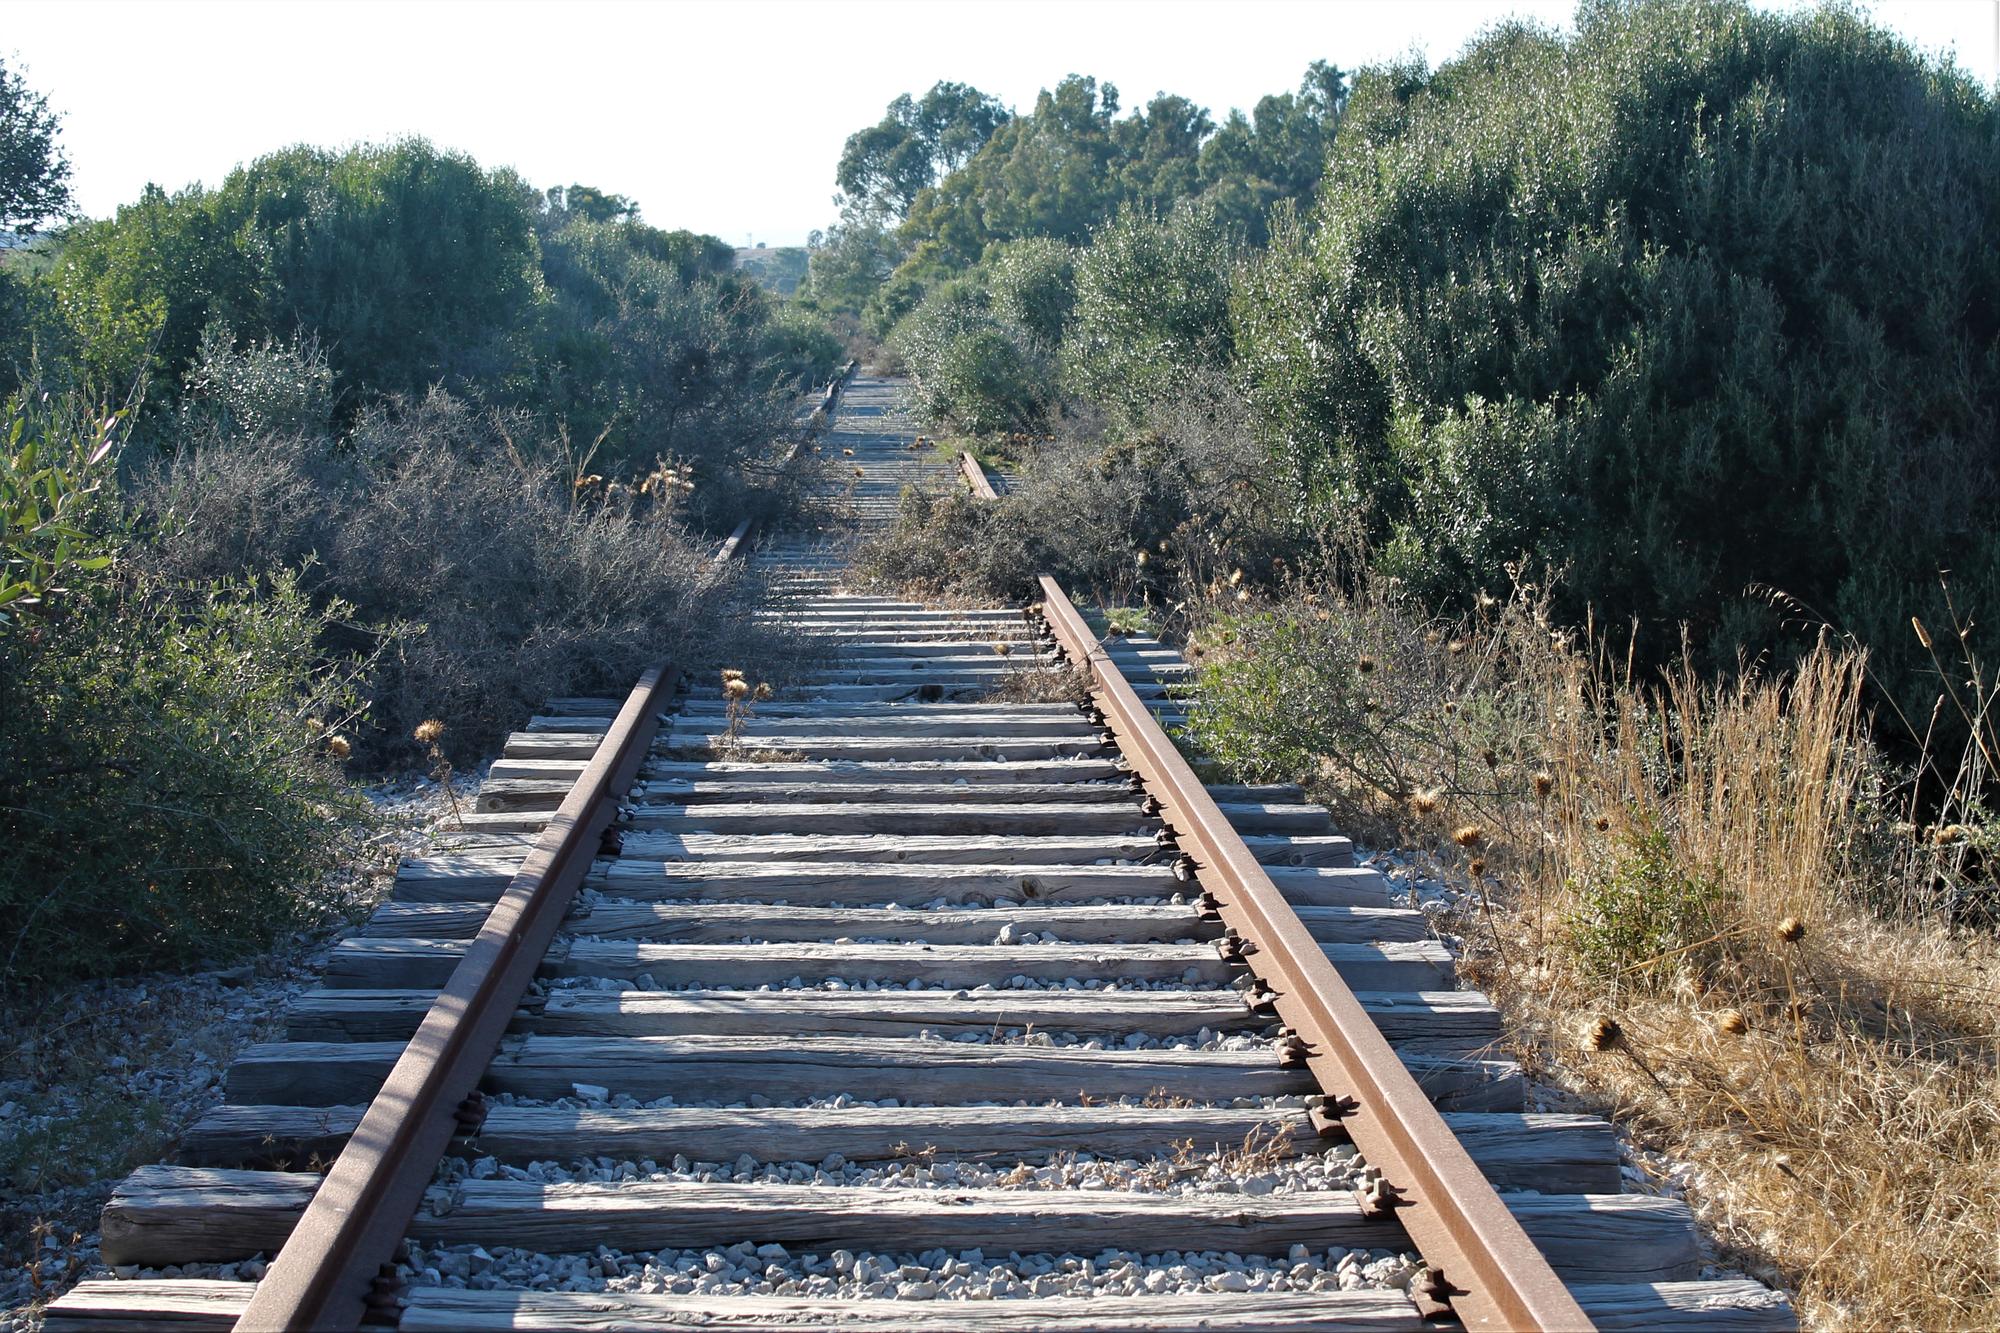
{"x":1694,"y":304}
{"x":1641,"y":912}
{"x":651,"y":348}
{"x":165,"y":796}
{"x":1033,"y":283}
{"x":967,"y":370}
{"x":409,"y":264}
{"x":52,"y":465}
{"x":263,"y":388}
{"x":1151,"y":309}
{"x":1367,"y":698}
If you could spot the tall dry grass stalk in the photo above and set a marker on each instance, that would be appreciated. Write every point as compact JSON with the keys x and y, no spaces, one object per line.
{"x":1713,"y":908}
{"x":1709,"y":868}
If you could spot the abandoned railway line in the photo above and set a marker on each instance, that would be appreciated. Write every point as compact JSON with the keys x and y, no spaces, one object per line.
{"x":933,"y":991}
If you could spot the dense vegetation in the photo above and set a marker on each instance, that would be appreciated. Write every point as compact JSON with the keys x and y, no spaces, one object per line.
{"x":940,"y":182}
{"x":1693,"y":309}
{"x":352,"y":441}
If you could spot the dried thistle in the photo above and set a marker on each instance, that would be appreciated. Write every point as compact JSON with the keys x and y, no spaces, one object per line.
{"x":1790,"y":931}
{"x":1545,"y":782}
{"x":429,"y":731}
{"x":1604,"y":1034}
{"x":1732,"y":1022}
{"x":338,"y":746}
{"x":1425,"y":802}
{"x":1468,"y":835}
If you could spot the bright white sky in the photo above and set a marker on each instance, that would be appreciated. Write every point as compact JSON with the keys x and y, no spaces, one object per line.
{"x":720,"y":117}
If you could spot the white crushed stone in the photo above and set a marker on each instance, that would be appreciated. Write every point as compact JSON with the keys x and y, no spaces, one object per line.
{"x":830,"y":1101}
{"x":772,"y":1270}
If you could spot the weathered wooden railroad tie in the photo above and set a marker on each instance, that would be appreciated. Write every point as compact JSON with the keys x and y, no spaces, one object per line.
{"x":908,"y":985}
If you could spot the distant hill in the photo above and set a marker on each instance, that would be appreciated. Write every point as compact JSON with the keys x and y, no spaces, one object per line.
{"x":779,"y":268}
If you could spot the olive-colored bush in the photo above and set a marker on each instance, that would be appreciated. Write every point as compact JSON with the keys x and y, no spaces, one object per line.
{"x":1698,"y":306}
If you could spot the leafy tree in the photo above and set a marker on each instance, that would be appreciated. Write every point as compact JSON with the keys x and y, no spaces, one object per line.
{"x":1033,"y":282}
{"x":34,"y":171}
{"x":594,"y":205}
{"x":846,"y":264}
{"x":1152,"y":308}
{"x":1697,"y":302}
{"x":410,"y":264}
{"x":1052,"y":172}
{"x":883,"y":167}
{"x":1278,"y":153}
{"x":1066,"y":168}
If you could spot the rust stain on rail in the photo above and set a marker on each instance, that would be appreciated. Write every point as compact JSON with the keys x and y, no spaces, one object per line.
{"x":1486,"y":1268}
{"x":327,"y":1271}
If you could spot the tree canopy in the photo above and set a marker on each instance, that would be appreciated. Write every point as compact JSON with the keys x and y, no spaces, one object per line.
{"x":34,"y":171}
{"x":1697,"y":306}
{"x":883,"y":167}
{"x":1058,"y":172}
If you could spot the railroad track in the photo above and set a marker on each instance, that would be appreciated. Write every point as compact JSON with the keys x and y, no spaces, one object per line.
{"x":925,"y":981}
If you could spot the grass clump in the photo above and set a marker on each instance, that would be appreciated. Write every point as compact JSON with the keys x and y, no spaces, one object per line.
{"x":1714,"y":908}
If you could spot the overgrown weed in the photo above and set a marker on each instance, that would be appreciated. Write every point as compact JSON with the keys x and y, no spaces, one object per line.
{"x":1715,"y":907}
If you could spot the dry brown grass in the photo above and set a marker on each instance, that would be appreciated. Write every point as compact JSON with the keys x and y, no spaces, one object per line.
{"x":1829,"y":1072}
{"x":1030,"y":681}
{"x":1804,"y":1013}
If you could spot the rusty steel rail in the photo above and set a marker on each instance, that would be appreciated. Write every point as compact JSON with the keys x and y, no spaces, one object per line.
{"x":975,"y":476}
{"x":739,"y":536}
{"x":327,"y":1276}
{"x":1483,"y":1265}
